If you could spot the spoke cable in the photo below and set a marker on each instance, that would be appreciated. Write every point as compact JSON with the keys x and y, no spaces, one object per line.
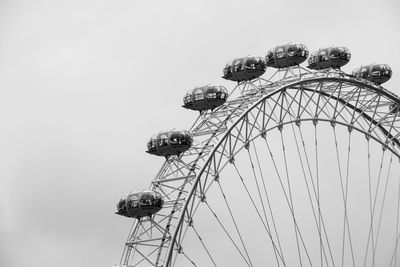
{"x":397,"y":228}
{"x":373,"y":206}
{"x":257,"y":211}
{"x":346,"y":220}
{"x":284,"y":192}
{"x":261,"y":200}
{"x":296,"y":227}
{"x":186,"y":256}
{"x":383,"y":202}
{"x":269,"y":203}
{"x":346,"y":224}
{"x":204,"y":246}
{"x":226,"y":232}
{"x":318,"y":193}
{"x":308,"y":189}
{"x":235,"y":223}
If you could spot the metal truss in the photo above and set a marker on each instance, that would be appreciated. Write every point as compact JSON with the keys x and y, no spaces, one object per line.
{"x":297,"y":96}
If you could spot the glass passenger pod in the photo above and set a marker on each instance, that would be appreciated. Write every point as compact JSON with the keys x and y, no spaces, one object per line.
{"x":140,"y":204}
{"x":284,"y":56}
{"x":244,"y":69}
{"x":169,"y":143}
{"x":205,"y":98}
{"x":333,"y":57}
{"x":376,"y":73}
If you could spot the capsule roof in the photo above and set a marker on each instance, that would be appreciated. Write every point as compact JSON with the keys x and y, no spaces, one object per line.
{"x":169,"y":143}
{"x":205,"y":97}
{"x":376,"y":73}
{"x":140,"y":204}
{"x":330,"y":57}
{"x":244,"y":69}
{"x":283,"y":56}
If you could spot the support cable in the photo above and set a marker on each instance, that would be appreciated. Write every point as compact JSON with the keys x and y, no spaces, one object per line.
{"x":204,"y":246}
{"x":269,"y":204}
{"x":383,"y":202}
{"x":227,"y":233}
{"x":262,"y":202}
{"x":186,"y":256}
{"x":373,"y":206}
{"x":344,"y":196}
{"x":346,"y":193}
{"x":257,"y":211}
{"x":308,"y":190}
{"x":375,"y":201}
{"x":397,"y":222}
{"x":235,"y":224}
{"x":285,"y":194}
{"x":395,"y":250}
{"x":296,"y":227}
{"x":318,"y":196}
{"x":397,"y":229}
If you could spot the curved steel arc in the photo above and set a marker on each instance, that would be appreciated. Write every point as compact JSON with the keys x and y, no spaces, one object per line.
{"x":303,"y":120}
{"x":377,"y":90}
{"x":366,"y":116}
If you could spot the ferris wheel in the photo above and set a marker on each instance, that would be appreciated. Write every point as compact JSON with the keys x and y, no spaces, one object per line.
{"x":294,"y":167}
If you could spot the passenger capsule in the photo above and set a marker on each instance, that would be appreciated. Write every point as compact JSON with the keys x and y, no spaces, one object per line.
{"x":140,"y":204}
{"x":244,"y":69}
{"x":169,"y":143}
{"x":205,"y":97}
{"x":284,"y":56}
{"x":376,"y":73}
{"x":331,"y":57}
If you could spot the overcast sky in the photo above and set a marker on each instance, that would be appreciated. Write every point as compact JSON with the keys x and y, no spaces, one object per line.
{"x":85,"y":83}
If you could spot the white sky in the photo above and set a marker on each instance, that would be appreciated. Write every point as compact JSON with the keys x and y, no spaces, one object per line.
{"x":85,"y":83}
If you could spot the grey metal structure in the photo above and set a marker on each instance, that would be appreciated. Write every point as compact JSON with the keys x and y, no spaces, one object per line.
{"x":269,"y":111}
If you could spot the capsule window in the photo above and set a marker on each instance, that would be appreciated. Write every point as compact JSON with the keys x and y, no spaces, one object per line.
{"x":280,"y":52}
{"x":364,"y":72}
{"x":198,"y":96}
{"x":250,"y":63}
{"x":292,"y":50}
{"x":211,"y":95}
{"x":375,"y":73}
{"x":313,"y":59}
{"x":323,"y":56}
{"x":163,"y":142}
{"x":270,"y":55}
{"x":227,"y":70}
{"x":187,"y":99}
{"x":237,"y":66}
{"x":122,"y":204}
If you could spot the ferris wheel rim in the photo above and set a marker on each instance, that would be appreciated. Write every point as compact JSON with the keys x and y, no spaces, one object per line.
{"x":350,"y":80}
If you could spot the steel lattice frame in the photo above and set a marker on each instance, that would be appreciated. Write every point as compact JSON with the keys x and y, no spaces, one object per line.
{"x":301,"y":96}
